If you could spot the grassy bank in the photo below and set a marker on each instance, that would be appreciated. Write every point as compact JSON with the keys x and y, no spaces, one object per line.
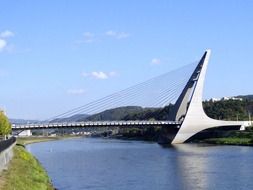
{"x":244,"y":138}
{"x":25,"y":172}
{"x":230,"y":141}
{"x":29,"y":140}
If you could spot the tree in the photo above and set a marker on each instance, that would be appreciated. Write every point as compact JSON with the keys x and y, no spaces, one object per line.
{"x":5,"y":126}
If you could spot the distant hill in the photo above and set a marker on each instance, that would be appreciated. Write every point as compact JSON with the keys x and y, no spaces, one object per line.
{"x":73,"y":118}
{"x":23,"y":121}
{"x":150,"y":114}
{"x":226,"y":110}
{"x":121,"y":113}
{"x":245,"y":97}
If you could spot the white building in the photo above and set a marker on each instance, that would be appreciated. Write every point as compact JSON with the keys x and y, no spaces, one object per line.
{"x":215,"y":99}
{"x":225,"y":99}
{"x":25,"y":133}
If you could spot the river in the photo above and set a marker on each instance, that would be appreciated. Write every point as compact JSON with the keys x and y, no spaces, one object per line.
{"x":111,"y":164}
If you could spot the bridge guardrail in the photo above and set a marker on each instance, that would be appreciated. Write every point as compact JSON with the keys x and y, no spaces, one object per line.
{"x":4,"y":144}
{"x":139,"y":123}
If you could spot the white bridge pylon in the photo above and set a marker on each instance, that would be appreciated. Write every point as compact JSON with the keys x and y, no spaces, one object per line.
{"x":195,"y":119}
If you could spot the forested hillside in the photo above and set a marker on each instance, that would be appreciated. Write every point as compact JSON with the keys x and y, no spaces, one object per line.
{"x":229,"y":109}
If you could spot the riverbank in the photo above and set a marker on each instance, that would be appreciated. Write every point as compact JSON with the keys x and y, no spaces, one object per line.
{"x":25,"y":172}
{"x":229,"y":141}
{"x":146,"y":134}
{"x":240,"y":138}
{"x":29,"y":140}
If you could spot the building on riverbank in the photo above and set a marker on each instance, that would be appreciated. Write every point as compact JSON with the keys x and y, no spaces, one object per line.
{"x":25,"y":133}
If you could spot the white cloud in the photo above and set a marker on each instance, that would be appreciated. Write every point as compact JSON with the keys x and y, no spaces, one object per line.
{"x":112,"y":73}
{"x":76,"y":91}
{"x":88,"y":37}
{"x":84,"y":74}
{"x":99,"y":74}
{"x":117,"y":35}
{"x":3,"y":44}
{"x":111,"y":33}
{"x":122,"y":35}
{"x":155,"y":61}
{"x":6,"y":34}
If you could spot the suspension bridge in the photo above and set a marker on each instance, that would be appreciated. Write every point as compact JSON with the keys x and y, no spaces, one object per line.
{"x":182,"y":88}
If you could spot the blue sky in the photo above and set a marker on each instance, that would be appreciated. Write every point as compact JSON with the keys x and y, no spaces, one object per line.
{"x":57,"y":55}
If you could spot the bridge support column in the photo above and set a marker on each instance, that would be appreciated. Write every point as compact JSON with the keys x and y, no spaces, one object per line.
{"x":189,"y":109}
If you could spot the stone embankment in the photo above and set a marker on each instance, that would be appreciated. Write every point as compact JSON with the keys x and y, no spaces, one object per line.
{"x":6,"y":152}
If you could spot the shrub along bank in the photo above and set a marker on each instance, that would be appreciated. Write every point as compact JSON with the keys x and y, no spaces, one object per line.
{"x":234,"y":138}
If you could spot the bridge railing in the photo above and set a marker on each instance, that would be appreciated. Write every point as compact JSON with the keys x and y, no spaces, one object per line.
{"x":93,"y":123}
{"x":4,"y":144}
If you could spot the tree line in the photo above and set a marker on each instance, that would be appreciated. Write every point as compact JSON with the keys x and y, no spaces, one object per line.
{"x":5,"y":125}
{"x":229,"y":109}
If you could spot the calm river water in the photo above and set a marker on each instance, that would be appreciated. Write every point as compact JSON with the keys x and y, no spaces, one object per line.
{"x":109,"y":164}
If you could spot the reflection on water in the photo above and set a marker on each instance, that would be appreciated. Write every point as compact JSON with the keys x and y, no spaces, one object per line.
{"x":102,"y":164}
{"x":215,"y":167}
{"x":192,"y":164}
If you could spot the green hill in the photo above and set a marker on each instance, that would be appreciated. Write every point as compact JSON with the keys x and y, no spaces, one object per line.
{"x":229,"y":109}
{"x":246,"y":97}
{"x":121,"y":113}
{"x":224,"y":109}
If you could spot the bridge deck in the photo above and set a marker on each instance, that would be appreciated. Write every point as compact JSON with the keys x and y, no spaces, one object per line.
{"x":140,"y":124}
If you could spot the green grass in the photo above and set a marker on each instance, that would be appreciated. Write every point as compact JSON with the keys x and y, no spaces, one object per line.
{"x":234,"y":138}
{"x":36,"y":139}
{"x":25,"y":172}
{"x":29,"y":140}
{"x":230,"y":141}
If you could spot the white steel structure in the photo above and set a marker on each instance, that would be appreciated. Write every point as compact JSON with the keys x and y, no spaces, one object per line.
{"x":195,"y":119}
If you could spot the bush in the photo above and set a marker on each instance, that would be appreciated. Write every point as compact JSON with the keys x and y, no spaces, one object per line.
{"x":5,"y":126}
